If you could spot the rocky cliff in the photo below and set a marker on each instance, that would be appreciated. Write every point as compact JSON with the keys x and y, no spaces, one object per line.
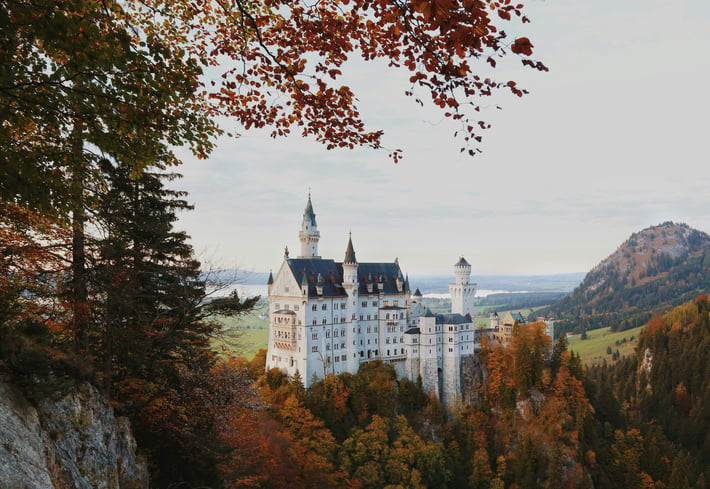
{"x":73,"y":443}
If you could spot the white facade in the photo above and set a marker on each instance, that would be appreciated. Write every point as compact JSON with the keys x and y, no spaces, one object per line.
{"x":328,"y":317}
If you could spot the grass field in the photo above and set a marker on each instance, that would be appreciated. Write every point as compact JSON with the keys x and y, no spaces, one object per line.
{"x":595,"y":348}
{"x":243,"y":336}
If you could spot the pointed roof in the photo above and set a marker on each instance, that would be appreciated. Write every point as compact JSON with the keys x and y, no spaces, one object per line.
{"x":271,"y":278}
{"x":429,"y":314}
{"x":308,"y":213}
{"x":350,"y":258}
{"x":462,"y":262}
{"x":417,"y":293}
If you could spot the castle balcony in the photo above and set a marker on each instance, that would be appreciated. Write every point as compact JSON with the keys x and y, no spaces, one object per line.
{"x":283,"y":329}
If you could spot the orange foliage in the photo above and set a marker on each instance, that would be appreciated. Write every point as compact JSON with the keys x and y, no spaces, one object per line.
{"x":286,"y":59}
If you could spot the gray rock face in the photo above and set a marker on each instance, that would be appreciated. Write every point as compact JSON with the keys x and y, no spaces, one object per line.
{"x":73,"y":443}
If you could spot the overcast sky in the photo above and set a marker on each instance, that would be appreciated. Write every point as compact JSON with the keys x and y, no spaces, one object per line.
{"x":612,"y":140}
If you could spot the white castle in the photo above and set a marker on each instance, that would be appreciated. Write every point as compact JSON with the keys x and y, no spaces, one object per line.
{"x":328,"y":317}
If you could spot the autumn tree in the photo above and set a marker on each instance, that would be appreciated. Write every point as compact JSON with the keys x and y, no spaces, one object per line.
{"x":33,"y":316}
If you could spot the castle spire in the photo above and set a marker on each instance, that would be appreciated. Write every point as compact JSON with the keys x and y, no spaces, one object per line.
{"x":309,"y":234}
{"x":350,"y":252}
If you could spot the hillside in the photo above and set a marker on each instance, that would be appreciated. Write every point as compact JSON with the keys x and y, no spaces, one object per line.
{"x":654,"y":270}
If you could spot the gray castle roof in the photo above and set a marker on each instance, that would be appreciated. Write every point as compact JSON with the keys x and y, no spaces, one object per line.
{"x":454,"y":318}
{"x":462,"y":262}
{"x":308,"y":270}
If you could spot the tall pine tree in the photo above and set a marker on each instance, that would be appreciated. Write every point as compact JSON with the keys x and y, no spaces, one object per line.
{"x":153,"y":327}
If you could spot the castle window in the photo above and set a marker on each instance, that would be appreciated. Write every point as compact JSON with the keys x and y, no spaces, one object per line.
{"x":361,"y":317}
{"x":374,"y":303}
{"x":335,"y":306}
{"x":327,"y":334}
{"x":314,"y":307}
{"x":325,"y":321}
{"x":314,"y":336}
{"x":368,"y":317}
{"x":387,"y":316}
{"x":315,"y":322}
{"x":388,"y":353}
{"x":402,"y":351}
{"x":314,"y":349}
{"x":364,"y":304}
{"x":295,"y":308}
{"x":335,"y":333}
{"x":342,"y":346}
{"x":324,"y":306}
{"x":276,"y":306}
{"x":327,"y":346}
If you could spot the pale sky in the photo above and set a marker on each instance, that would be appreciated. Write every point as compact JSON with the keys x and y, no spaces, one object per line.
{"x":611,"y":140}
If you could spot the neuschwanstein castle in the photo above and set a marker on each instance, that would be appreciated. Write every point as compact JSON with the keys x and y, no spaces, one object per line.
{"x":329,"y":317}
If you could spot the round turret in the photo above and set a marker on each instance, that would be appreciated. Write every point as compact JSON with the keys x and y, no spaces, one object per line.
{"x":462,"y":271}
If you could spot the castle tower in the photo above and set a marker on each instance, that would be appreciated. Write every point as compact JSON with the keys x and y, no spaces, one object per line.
{"x":429,"y":354}
{"x":462,"y":291}
{"x":309,"y":234}
{"x":350,"y":286}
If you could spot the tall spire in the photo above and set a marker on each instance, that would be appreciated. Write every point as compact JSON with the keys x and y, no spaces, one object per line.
{"x":350,"y":252}
{"x":308,"y":213}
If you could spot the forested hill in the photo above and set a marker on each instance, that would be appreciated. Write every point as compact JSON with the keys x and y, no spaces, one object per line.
{"x":654,"y":270}
{"x":655,"y":405}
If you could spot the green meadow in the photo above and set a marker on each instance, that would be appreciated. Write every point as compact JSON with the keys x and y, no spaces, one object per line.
{"x":603,"y":344}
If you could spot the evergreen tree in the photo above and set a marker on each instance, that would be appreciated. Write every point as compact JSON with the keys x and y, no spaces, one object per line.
{"x":153,"y":328}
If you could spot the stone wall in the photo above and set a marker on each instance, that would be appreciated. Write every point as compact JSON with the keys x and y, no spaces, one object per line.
{"x":73,"y":443}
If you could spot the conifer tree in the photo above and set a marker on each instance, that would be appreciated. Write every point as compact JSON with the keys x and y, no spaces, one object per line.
{"x":152,"y":326}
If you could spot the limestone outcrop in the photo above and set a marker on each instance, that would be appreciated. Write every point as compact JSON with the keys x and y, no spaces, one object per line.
{"x":73,"y":443}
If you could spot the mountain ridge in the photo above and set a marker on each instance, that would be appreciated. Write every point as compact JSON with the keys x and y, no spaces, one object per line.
{"x":655,"y":269}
